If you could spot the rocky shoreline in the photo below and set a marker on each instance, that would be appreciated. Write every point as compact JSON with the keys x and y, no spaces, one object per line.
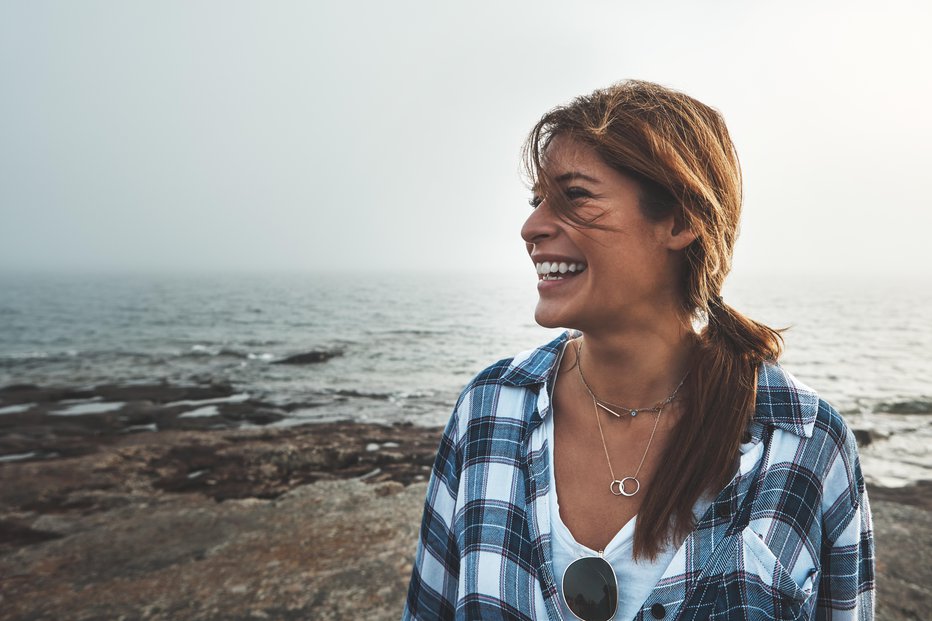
{"x":141,"y":512}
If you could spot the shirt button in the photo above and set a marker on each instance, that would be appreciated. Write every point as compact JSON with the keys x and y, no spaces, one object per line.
{"x":723,"y":510}
{"x":657,"y":611}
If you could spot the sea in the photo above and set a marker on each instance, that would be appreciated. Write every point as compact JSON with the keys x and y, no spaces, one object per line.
{"x":404,"y":344}
{"x":400,"y":346}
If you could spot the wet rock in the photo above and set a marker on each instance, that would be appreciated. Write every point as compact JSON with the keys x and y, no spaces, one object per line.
{"x":917,"y":495}
{"x":863,"y":436}
{"x":219,"y":464}
{"x":311,"y":357}
{"x":866,"y":437}
{"x":10,"y":388}
{"x":270,"y":466}
{"x":163,"y":393}
{"x":52,"y":424}
{"x":16,"y":533}
{"x":153,"y":393}
{"x":914,"y":406}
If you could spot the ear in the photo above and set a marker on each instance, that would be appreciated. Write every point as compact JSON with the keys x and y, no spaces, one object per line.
{"x":679,"y":235}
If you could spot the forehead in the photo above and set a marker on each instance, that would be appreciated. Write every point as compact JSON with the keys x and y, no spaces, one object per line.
{"x":565,"y":159}
{"x":564,"y":154}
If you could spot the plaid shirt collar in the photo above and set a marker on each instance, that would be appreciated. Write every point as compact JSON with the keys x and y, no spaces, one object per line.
{"x":783,"y":402}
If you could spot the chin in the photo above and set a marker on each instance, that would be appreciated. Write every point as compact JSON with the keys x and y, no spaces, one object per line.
{"x":547,"y":318}
{"x":549,"y":324}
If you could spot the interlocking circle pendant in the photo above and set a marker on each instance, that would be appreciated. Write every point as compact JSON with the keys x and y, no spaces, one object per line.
{"x":619,"y":485}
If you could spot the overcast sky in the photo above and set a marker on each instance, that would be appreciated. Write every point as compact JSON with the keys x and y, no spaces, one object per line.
{"x":195,"y":136}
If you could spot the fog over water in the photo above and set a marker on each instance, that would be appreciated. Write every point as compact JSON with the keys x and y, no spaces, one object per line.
{"x":246,"y":136}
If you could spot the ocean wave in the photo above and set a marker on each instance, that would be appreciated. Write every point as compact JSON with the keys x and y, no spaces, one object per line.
{"x":197,"y":351}
{"x":17,"y":409}
{"x":17,"y":456}
{"x":207,"y":410}
{"x":392,"y":397}
{"x":413,"y":331}
{"x":204,"y":351}
{"x":308,"y":357}
{"x":261,"y":342}
{"x":25,"y":355}
{"x":415,"y":394}
{"x":236,"y":398}
{"x":362,"y":394}
{"x":81,"y":409}
{"x":48,"y":356}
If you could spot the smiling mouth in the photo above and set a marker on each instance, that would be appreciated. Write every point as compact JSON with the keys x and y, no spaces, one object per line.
{"x":559,"y":270}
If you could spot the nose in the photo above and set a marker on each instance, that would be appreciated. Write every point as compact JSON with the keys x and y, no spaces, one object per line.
{"x":540,"y":225}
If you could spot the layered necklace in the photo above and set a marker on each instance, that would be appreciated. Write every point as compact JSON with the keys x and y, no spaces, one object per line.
{"x":620,"y":487}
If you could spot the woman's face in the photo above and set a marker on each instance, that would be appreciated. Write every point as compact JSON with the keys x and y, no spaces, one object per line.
{"x":593,"y":279}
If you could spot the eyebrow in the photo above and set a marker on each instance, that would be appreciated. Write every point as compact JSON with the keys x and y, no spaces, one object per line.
{"x":569,"y":176}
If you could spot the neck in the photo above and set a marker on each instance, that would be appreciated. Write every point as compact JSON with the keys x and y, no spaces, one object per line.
{"x":637,"y":367}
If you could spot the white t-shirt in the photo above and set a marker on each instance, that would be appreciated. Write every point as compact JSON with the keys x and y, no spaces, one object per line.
{"x":636,"y":579}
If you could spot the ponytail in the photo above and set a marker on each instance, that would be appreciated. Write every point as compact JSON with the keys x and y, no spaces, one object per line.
{"x":743,"y":337}
{"x":703,"y":450}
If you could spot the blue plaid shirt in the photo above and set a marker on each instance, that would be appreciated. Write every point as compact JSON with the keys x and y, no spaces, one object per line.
{"x":788,"y":538}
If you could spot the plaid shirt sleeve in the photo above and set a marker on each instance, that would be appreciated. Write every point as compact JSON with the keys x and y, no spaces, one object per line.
{"x":846,"y":584}
{"x":432,"y":593}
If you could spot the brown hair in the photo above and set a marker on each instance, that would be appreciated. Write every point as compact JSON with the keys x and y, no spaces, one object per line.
{"x":679,"y":151}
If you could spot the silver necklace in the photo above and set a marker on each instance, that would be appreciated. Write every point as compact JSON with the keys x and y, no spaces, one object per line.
{"x":632,"y":411}
{"x":618,"y":486}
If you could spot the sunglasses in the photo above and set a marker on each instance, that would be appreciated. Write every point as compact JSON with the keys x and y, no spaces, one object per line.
{"x":590,"y":589}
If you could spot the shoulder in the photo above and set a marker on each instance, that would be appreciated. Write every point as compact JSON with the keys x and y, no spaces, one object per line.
{"x":505,"y":393}
{"x":810,"y":441}
{"x":786,"y":403}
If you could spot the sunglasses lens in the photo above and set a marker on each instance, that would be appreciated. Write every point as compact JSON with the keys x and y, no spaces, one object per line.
{"x":590,"y":589}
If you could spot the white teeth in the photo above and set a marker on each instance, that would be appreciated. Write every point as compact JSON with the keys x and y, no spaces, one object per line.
{"x":547,"y":267}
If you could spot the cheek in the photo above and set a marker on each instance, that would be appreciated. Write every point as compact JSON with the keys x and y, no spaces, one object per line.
{"x":619,"y":257}
{"x":617,"y":272}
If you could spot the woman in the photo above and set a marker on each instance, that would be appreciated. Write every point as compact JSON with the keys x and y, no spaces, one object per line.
{"x":654,"y":462}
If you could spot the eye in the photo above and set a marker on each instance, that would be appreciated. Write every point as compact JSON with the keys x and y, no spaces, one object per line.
{"x":534,"y":201}
{"x":574,"y":193}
